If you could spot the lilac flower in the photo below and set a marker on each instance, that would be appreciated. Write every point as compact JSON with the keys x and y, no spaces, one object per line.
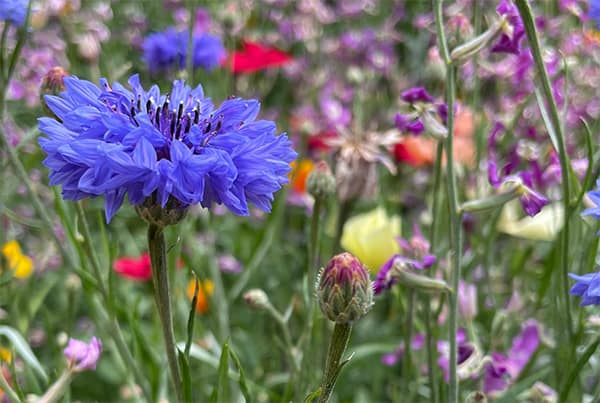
{"x":531,"y":201}
{"x":510,"y":39}
{"x":587,"y":287}
{"x":415,"y":256}
{"x":417,"y":94}
{"x":229,"y":264}
{"x":167,"y":49}
{"x":13,"y":11}
{"x":425,"y":114}
{"x":594,"y":12}
{"x":390,"y":359}
{"x":504,"y":369}
{"x":82,"y":356}
{"x":466,"y":353}
{"x":158,"y":148}
{"x":467,"y":300}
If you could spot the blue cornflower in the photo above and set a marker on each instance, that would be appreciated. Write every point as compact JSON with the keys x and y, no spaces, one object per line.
{"x":587,"y":287}
{"x":594,"y":12}
{"x":14,"y":11}
{"x":594,"y":196}
{"x":167,"y":49}
{"x":159,"y":148}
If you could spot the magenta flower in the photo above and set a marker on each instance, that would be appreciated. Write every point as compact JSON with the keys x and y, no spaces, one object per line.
{"x":82,"y":356}
{"x":415,"y":255}
{"x":504,"y":369}
{"x":510,"y":39}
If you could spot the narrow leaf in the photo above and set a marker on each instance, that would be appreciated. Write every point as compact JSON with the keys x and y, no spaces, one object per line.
{"x":23,"y":349}
{"x":242,"y":380}
{"x":219,"y":393}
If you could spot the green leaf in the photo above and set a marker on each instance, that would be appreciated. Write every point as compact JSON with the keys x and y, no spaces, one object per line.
{"x":510,"y":396}
{"x":23,"y":349}
{"x":312,"y":395}
{"x":219,"y":393}
{"x":564,"y":391}
{"x":186,"y":379}
{"x":242,"y":380}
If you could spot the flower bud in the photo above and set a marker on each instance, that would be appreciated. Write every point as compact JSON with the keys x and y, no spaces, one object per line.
{"x":469,"y":49}
{"x":476,"y":397}
{"x":52,"y":84}
{"x":320,"y":182}
{"x":344,"y":290}
{"x":256,"y":299}
{"x":153,"y":213}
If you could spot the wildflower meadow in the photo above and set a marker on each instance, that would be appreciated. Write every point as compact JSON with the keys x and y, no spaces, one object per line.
{"x":300,"y":201}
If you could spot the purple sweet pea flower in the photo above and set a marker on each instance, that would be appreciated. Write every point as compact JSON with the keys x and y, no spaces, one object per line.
{"x":415,"y":256}
{"x":229,"y":264}
{"x":504,"y":369}
{"x":467,"y":300}
{"x":587,"y":287}
{"x":531,"y":201}
{"x":417,"y":94}
{"x":82,"y":356}
{"x":465,"y":350}
{"x":390,"y":359}
{"x":510,"y":39}
{"x":405,"y":124}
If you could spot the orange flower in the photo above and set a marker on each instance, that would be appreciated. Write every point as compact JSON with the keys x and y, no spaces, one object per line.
{"x":202,"y":301}
{"x":299,"y":173}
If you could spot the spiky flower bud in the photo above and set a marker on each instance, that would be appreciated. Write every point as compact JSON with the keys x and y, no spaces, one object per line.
{"x":52,"y":84}
{"x":153,"y":213}
{"x":344,"y":290}
{"x":320,"y":183}
{"x":256,"y":298}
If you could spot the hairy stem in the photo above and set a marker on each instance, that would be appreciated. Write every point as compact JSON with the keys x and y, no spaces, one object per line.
{"x":160,"y":279}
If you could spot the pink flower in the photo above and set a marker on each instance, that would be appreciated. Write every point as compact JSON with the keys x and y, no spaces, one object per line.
{"x":82,"y":356}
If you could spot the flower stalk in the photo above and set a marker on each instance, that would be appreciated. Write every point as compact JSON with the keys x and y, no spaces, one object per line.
{"x":453,"y":204}
{"x":160,"y":279}
{"x":337,"y":346}
{"x":557,"y":128}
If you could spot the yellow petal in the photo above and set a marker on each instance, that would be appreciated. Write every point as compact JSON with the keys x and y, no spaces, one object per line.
{"x":5,"y":355}
{"x":371,"y":237}
{"x":544,"y":226}
{"x":23,"y":268}
{"x":11,"y":250}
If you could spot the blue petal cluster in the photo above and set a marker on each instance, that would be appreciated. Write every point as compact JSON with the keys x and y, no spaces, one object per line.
{"x":14,"y":11}
{"x":594,"y":12}
{"x":168,"y":49}
{"x":113,"y":141}
{"x":587,"y":287}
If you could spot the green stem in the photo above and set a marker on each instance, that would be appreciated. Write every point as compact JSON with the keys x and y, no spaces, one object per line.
{"x":337,"y":346}
{"x":453,"y":204}
{"x":160,"y":278}
{"x":345,"y":209}
{"x":287,"y":338}
{"x":534,"y":43}
{"x":5,"y":387}
{"x":57,"y":390}
{"x":189,"y":61}
{"x":115,"y":329}
{"x":406,"y":361}
{"x":430,"y":351}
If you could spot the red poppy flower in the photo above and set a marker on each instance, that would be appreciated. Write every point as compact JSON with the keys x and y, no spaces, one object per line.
{"x":136,"y":269}
{"x":255,"y":57}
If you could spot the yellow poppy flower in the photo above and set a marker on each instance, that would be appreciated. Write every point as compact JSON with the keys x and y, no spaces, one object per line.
{"x":22,"y":265}
{"x":544,"y":226}
{"x":372,"y":237}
